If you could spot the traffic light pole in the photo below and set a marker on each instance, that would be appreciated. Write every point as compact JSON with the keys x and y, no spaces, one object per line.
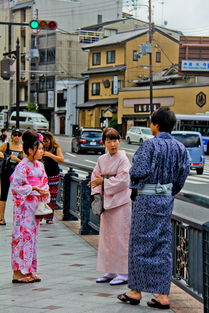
{"x":150,"y":59}
{"x":17,"y":82}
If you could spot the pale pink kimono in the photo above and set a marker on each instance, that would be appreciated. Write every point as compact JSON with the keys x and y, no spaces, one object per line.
{"x":115,"y":220}
{"x":25,"y":225}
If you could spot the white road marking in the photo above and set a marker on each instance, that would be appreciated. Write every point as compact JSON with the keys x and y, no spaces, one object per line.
{"x":199,"y":178}
{"x":73,"y":155}
{"x":91,"y":161}
{"x":195,"y":182}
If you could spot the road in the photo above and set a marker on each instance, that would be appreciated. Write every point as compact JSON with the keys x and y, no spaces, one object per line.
{"x":194,"y":183}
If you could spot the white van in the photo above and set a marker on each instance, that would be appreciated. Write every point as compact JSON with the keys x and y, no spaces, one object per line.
{"x":29,"y":120}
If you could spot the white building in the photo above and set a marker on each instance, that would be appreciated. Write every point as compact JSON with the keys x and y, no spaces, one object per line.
{"x":69,"y":94}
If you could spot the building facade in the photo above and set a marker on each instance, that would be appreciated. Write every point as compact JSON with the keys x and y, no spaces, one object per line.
{"x":114,"y":64}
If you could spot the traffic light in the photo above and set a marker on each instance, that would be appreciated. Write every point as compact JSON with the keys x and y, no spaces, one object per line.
{"x":6,"y":72}
{"x":43,"y":24}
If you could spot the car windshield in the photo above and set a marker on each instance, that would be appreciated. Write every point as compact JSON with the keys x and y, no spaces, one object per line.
{"x":92,"y":134}
{"x":147,"y":131}
{"x":39,"y":120}
{"x":189,"y":140}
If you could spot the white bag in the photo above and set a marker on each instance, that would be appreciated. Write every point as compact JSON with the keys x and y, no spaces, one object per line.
{"x":43,"y":209}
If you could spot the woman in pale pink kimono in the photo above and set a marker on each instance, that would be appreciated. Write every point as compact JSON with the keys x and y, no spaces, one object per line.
{"x":29,"y":186}
{"x":112,"y":171}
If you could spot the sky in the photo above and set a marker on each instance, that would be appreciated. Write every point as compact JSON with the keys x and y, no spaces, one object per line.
{"x":189,"y":16}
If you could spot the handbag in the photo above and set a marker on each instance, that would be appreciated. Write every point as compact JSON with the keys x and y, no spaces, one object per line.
{"x":97,"y":204}
{"x":43,"y":209}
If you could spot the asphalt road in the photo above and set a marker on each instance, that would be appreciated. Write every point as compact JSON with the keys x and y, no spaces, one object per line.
{"x":194,"y":183}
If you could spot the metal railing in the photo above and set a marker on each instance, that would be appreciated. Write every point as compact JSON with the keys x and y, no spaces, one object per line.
{"x":190,"y":247}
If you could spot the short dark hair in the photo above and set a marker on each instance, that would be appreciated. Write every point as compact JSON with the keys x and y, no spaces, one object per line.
{"x":30,"y":141}
{"x":3,"y":130}
{"x":165,"y":118}
{"x":110,"y":133}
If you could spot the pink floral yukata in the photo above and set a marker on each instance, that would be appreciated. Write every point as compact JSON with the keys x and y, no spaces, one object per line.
{"x":25,"y":225}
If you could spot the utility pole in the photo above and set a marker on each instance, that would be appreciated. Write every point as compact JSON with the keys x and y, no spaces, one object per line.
{"x":17,"y":82}
{"x":150,"y":57}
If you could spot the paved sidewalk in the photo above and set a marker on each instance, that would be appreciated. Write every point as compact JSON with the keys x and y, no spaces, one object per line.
{"x":67,"y":267}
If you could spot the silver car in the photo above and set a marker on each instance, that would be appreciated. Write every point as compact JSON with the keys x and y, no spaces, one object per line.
{"x":138,"y":134}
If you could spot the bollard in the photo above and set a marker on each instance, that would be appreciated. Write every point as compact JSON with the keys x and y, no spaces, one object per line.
{"x":66,"y":201}
{"x":206,"y":266}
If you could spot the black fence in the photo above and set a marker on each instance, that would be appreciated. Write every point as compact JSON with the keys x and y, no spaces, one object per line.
{"x":190,"y":248}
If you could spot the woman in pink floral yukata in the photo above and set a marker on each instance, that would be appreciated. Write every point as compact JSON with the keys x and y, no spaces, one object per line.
{"x":29,"y":187}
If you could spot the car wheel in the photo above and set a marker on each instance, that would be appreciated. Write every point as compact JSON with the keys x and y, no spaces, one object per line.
{"x":128,"y":141}
{"x":77,"y":149}
{"x":141,"y":141}
{"x":200,"y":171}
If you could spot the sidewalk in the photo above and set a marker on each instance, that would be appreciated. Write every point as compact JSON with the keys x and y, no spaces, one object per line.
{"x":67,"y":267}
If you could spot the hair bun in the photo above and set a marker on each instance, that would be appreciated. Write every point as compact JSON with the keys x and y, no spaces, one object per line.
{"x":30,"y":135}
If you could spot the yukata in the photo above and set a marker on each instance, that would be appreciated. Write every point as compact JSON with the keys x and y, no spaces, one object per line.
{"x":25,"y":225}
{"x":115,"y":220}
{"x":163,"y":160}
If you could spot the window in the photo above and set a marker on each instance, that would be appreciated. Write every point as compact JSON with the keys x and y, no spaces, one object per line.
{"x":96,"y":58}
{"x":158,"y":57}
{"x":135,"y":55}
{"x":95,"y":89}
{"x":51,"y":55}
{"x":110,"y":56}
{"x":47,"y":55}
{"x":117,"y":87}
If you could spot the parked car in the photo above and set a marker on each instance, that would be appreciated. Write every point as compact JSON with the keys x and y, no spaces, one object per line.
{"x":194,"y":145}
{"x":29,"y":120}
{"x":138,"y":134}
{"x":88,"y":139}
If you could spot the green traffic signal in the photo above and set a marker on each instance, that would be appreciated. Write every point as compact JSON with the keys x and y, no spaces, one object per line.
{"x":43,"y":24}
{"x":34,"y":24}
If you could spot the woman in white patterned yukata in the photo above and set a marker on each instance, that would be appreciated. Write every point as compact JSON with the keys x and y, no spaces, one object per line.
{"x":29,"y":186}
{"x":160,"y":168}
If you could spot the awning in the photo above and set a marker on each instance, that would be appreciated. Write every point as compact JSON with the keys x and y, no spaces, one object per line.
{"x":98,"y":102}
{"x":106,"y":69}
{"x":60,"y":112}
{"x":134,"y":116}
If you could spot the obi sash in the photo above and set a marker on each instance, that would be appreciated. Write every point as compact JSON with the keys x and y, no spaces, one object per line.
{"x":156,"y":189}
{"x":34,"y":181}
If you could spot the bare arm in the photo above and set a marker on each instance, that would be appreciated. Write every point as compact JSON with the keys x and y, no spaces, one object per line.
{"x":59,"y":158}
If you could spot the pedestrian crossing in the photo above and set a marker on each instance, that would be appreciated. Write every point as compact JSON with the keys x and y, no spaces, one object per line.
{"x":192,"y":178}
{"x":195,"y":179}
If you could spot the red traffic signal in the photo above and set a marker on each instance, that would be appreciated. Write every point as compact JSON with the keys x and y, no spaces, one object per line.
{"x":43,"y":24}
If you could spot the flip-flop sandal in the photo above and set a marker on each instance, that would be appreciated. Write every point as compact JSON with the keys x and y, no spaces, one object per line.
{"x":124,"y":298}
{"x":156,"y":304}
{"x":24,"y":280}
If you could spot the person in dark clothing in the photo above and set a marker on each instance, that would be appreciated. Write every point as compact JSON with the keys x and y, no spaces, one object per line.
{"x":52,"y":156}
{"x":160,"y":167}
{"x":13,"y":151}
{"x":3,"y":136}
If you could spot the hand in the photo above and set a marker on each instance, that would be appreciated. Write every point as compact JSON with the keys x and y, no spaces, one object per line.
{"x":14,"y":158}
{"x":47,"y":153}
{"x":96,"y":182}
{"x":1,"y":155}
{"x":43,"y":193}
